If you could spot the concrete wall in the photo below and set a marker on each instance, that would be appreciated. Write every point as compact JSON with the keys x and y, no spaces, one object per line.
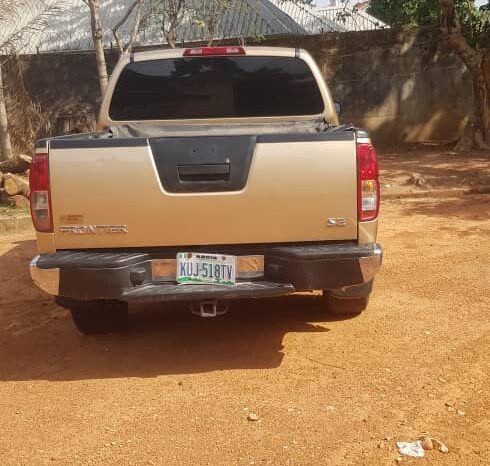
{"x":397,"y":84}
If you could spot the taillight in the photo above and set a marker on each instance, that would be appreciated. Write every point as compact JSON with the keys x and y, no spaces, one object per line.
{"x":368,"y":182}
{"x":40,"y":193}
{"x":210,"y":51}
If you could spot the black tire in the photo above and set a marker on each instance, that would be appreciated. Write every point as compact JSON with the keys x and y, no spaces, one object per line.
{"x":98,"y":317}
{"x":345,"y":306}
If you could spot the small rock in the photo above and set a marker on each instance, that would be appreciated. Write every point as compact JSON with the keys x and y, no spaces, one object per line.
{"x":427,"y":443}
{"x":442,"y":380}
{"x":460,"y":412}
{"x":252,"y":417}
{"x":180,"y":383}
{"x":441,"y":446}
{"x":416,"y":179}
{"x":449,"y":404}
{"x":399,"y":459}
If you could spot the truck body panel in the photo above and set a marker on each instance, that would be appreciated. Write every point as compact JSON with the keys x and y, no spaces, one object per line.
{"x":291,"y":191}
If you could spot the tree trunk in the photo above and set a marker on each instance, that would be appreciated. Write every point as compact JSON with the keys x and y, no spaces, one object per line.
{"x":485,"y":67}
{"x":477,"y":132}
{"x":171,"y":19}
{"x":171,"y":40}
{"x":481,"y":103}
{"x":170,"y":35}
{"x":5,"y":144}
{"x":98,"y":37}
{"x":14,"y":185}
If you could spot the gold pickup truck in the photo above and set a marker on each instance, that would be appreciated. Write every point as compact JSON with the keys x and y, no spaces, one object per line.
{"x":216,"y":173}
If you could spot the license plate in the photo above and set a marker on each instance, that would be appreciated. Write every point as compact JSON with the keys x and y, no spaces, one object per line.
{"x":199,"y":268}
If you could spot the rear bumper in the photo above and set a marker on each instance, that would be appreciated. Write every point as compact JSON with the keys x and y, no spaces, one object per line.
{"x":128,"y":276}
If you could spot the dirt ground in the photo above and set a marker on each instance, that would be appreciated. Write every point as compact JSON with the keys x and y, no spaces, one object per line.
{"x":176,"y":390}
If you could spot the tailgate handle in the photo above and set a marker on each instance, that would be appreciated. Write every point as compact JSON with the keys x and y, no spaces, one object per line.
{"x":208,"y":172}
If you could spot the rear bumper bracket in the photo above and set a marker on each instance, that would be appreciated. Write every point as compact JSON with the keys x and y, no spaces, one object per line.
{"x":90,"y":275}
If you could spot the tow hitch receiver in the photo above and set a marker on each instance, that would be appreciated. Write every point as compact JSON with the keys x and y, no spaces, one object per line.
{"x":210,"y":308}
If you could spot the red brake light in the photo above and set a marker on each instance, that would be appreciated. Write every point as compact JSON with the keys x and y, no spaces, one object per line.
{"x":40,"y":193}
{"x":213,"y":51}
{"x":368,"y":182}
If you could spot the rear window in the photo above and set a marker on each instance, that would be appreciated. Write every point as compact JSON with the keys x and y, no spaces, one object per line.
{"x":215,"y":87}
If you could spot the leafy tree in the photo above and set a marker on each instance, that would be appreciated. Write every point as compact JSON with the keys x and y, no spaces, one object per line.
{"x":405,"y":12}
{"x":18,"y":21}
{"x":208,"y":15}
{"x":169,"y":15}
{"x":465,"y":30}
{"x":205,"y":14}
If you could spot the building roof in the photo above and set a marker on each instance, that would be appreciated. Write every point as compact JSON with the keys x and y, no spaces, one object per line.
{"x":69,"y":28}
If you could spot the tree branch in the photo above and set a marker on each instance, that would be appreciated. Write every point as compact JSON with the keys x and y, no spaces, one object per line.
{"x":451,"y":31}
{"x":136,"y":25}
{"x":137,"y":4}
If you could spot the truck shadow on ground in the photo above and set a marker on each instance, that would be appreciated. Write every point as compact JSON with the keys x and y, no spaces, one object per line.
{"x":38,"y":340}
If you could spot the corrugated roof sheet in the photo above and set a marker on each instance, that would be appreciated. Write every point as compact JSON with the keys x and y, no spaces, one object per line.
{"x":69,"y":28}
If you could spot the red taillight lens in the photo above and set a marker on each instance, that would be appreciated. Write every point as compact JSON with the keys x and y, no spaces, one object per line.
{"x":210,"y":51}
{"x":368,"y":179}
{"x":40,"y":193}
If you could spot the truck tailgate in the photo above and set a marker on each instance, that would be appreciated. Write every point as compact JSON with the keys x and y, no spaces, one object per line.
{"x":198,"y":191}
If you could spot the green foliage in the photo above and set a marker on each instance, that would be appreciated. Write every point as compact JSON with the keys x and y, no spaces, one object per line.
{"x":475,"y":22}
{"x":405,"y":12}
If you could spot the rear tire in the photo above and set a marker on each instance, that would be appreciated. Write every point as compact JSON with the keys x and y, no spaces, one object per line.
{"x":98,"y":317}
{"x":345,"y":306}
